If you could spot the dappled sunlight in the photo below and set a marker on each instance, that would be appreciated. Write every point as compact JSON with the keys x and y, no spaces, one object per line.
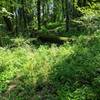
{"x":49,"y":50}
{"x":50,"y":69}
{"x":31,"y":64}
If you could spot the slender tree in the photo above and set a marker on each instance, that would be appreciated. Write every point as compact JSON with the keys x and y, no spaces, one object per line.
{"x":39,"y":14}
{"x":67,"y":14}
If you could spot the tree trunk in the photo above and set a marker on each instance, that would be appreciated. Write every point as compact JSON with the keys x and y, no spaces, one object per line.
{"x":63,"y":10}
{"x":9,"y":24}
{"x":67,"y":2}
{"x":39,"y":14}
{"x":54,"y":11}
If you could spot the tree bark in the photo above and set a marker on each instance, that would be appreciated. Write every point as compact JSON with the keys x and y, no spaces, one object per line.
{"x":67,"y":2}
{"x":63,"y":10}
{"x":39,"y":14}
{"x":8,"y":22}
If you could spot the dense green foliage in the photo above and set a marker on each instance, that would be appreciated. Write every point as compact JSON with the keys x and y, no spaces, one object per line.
{"x":68,"y":72}
{"x":49,"y":50}
{"x":26,"y":15}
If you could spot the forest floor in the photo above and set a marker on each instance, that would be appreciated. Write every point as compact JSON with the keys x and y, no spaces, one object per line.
{"x":49,"y":72}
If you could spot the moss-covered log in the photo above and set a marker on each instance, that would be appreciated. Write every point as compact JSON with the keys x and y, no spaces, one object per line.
{"x":53,"y":39}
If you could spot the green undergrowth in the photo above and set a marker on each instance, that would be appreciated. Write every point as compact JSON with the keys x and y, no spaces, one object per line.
{"x":67,"y":72}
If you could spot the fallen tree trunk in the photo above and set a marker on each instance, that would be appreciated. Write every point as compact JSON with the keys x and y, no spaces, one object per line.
{"x":50,"y":38}
{"x":54,"y":39}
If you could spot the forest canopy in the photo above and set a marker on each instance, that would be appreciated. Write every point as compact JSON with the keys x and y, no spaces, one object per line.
{"x":25,"y":15}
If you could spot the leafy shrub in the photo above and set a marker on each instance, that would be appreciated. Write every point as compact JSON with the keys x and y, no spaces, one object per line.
{"x":69,"y":71}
